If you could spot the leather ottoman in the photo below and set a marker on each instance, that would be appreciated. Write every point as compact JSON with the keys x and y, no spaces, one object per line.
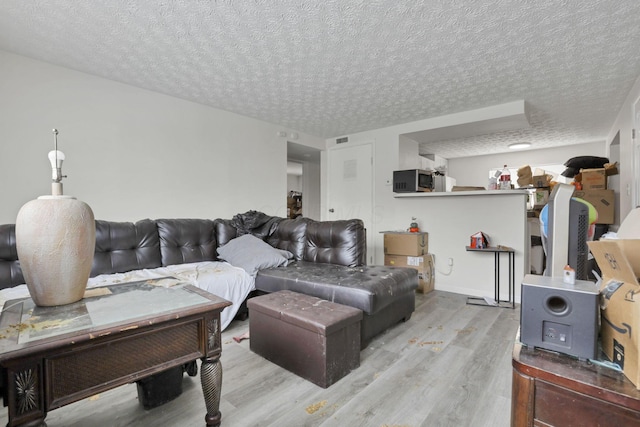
{"x":386,"y":295}
{"x":316,"y":339}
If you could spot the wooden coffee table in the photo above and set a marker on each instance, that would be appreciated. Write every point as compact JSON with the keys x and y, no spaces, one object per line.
{"x":53,"y":356}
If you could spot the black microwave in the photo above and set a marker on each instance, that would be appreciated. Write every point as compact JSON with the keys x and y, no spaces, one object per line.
{"x":412,"y":180}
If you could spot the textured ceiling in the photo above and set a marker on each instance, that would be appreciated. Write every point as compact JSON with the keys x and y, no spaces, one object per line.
{"x":335,"y":67}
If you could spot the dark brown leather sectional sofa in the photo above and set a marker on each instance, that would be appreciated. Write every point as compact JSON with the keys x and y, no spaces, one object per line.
{"x":329,"y":259}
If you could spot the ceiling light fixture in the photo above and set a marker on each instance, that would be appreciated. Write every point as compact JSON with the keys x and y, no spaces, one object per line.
{"x":519,"y":145}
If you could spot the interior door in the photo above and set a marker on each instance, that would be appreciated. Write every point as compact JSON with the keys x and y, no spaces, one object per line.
{"x":350,"y":187}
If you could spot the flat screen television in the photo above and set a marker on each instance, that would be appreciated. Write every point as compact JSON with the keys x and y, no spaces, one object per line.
{"x":567,"y":230}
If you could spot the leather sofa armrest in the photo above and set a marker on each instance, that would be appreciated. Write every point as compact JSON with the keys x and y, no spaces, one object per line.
{"x":10,"y":271}
{"x":225,"y":231}
{"x":291,"y":235}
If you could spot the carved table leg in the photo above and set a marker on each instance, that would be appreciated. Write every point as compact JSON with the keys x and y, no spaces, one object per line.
{"x":211,"y":379}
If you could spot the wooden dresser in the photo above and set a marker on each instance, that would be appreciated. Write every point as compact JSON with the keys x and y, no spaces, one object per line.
{"x":551,"y":389}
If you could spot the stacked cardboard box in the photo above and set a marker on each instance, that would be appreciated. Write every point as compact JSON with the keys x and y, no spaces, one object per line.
{"x":541,"y":179}
{"x":620,"y":313}
{"x":602,"y":200}
{"x":539,"y":196}
{"x":594,"y":190}
{"x":404,"y":249}
{"x":593,"y":179}
{"x":619,"y":260}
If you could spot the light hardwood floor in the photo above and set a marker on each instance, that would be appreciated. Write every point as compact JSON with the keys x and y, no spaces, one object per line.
{"x":449,"y":365}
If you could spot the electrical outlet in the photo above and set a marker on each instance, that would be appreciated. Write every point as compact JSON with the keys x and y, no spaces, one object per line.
{"x":450,"y":261}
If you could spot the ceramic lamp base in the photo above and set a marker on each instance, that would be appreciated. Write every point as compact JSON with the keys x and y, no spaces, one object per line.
{"x":55,"y":240}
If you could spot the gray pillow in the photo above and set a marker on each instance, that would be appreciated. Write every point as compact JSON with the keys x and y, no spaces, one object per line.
{"x":252,"y":254}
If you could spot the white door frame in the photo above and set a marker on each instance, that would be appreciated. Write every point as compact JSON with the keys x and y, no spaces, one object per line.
{"x":635,"y":149}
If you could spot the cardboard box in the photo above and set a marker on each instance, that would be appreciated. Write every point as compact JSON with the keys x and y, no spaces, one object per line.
{"x":603,"y":201}
{"x":593,"y":179}
{"x":538,"y":198}
{"x":541,"y":181}
{"x":611,"y":168}
{"x":406,"y":243}
{"x":524,"y":176}
{"x":428,"y":279}
{"x":424,"y":264}
{"x":619,"y":261}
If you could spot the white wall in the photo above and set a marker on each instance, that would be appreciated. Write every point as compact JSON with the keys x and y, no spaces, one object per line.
{"x":451,"y":218}
{"x":294,"y":183}
{"x":474,"y":171}
{"x":133,"y":153}
{"x":625,"y":151}
{"x":311,"y":190}
{"x":409,"y":154}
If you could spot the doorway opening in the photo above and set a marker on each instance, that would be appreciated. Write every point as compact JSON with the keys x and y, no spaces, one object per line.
{"x":303,"y":181}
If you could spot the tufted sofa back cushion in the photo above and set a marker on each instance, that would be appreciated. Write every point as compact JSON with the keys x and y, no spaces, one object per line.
{"x":290,"y":235}
{"x":186,"y":240}
{"x":10,"y":271}
{"x":125,"y":246}
{"x":340,"y":242}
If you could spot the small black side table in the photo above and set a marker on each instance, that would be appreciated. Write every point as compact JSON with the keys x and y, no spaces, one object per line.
{"x":511,"y":302}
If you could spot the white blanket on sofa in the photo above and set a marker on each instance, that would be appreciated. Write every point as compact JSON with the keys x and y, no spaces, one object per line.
{"x":219,"y":278}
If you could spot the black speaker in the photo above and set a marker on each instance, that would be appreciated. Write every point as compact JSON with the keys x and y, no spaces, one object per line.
{"x":558,"y":316}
